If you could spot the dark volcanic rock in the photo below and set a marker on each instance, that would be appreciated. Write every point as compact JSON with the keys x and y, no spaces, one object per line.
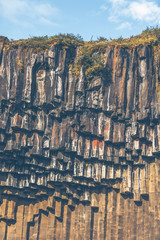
{"x":79,"y":156}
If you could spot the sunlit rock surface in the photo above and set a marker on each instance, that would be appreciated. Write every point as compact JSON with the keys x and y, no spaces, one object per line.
{"x":79,"y":158}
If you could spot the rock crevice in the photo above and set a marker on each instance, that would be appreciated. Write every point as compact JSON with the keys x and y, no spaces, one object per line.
{"x":79,"y":156}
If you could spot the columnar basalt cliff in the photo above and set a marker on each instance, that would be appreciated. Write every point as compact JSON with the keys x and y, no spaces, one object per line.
{"x":80,"y":145}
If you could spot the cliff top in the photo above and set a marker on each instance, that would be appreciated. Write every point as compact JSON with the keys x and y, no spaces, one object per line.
{"x":148,"y":36}
{"x":91,"y":53}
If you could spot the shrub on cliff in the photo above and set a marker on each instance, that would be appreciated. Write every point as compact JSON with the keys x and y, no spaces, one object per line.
{"x":44,"y":42}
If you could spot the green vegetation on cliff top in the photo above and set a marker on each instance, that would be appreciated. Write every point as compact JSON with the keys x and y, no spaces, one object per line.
{"x":149,"y":36}
{"x":90,"y":54}
{"x":40,"y":44}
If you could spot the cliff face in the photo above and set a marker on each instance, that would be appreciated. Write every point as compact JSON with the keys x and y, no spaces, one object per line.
{"x":79,"y":156}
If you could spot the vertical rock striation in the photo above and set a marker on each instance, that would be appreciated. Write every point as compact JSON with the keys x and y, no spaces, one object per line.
{"x":79,"y":156}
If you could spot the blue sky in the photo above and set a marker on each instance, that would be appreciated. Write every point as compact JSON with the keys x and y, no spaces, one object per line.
{"x":89,"y":18}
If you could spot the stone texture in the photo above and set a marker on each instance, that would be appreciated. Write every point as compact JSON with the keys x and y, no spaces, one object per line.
{"x":79,"y":159}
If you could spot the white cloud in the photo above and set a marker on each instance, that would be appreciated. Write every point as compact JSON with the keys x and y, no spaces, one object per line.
{"x":117,"y":5}
{"x":113,"y":18}
{"x":124,"y":25}
{"x":103,"y":7}
{"x":144,"y":10}
{"x":140,"y":10}
{"x":27,"y":12}
{"x":46,"y":9}
{"x":48,"y":22}
{"x":118,"y":2}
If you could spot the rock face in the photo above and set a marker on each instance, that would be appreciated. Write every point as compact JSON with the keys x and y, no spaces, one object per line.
{"x":79,"y":158}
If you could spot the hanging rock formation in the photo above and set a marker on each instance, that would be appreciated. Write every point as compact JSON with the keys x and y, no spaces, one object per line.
{"x":79,"y":157}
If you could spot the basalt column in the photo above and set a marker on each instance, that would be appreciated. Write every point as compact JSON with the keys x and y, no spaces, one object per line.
{"x":79,"y":156}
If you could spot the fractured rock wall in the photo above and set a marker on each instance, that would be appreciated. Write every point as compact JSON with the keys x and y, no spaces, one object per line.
{"x":79,"y":158}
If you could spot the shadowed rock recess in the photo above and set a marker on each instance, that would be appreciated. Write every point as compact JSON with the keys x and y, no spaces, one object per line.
{"x":80,"y":149}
